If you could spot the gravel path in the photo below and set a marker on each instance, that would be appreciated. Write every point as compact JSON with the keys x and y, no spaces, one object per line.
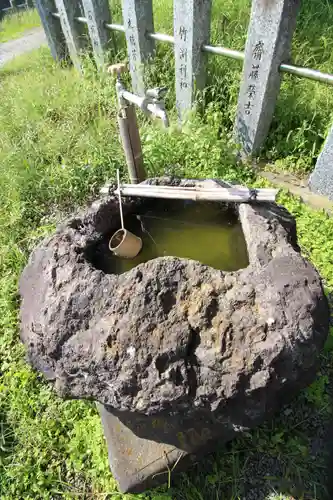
{"x":30,"y":41}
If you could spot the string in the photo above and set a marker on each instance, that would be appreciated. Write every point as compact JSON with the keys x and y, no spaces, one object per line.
{"x":144,"y":230}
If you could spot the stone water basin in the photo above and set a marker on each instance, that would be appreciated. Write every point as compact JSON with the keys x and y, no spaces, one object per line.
{"x":180,"y":355}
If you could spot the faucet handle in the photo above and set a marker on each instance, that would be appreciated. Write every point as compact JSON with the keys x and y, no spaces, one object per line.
{"x":157,"y":93}
{"x":117,"y":69}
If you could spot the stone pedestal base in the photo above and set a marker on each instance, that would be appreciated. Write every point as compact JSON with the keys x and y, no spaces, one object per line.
{"x":138,"y":463}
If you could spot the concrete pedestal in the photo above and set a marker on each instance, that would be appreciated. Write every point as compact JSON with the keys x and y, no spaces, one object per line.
{"x":321,"y":180}
{"x":144,"y":450}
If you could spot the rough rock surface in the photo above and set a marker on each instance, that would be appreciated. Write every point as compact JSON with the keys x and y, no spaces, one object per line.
{"x":171,"y":336}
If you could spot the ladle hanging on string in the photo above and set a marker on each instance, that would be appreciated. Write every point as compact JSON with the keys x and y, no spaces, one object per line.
{"x":124,"y":243}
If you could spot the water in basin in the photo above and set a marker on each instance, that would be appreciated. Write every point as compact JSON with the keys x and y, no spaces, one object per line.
{"x":208,"y":232}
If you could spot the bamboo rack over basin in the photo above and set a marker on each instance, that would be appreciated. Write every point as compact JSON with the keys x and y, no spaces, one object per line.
{"x":230,"y":194}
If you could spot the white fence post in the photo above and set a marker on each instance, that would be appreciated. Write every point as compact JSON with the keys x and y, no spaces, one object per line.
{"x":321,"y":179}
{"x":73,"y":32}
{"x":191,"y":30}
{"x":138,"y":20}
{"x":268,"y":45}
{"x":52,"y":28}
{"x":97,"y":13}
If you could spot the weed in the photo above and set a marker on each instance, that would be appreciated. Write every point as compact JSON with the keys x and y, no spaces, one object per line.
{"x":316,"y":392}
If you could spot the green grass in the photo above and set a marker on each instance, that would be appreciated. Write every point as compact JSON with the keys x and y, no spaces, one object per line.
{"x":304,"y":110}
{"x":303,"y":113}
{"x":58,"y":145}
{"x":14,"y":25}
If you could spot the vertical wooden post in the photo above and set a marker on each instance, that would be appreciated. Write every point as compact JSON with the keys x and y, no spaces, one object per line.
{"x":97,"y":13}
{"x":138,"y":20}
{"x":321,"y":179}
{"x":268,"y":45}
{"x":52,"y":28}
{"x":73,"y":32}
{"x":191,"y":31}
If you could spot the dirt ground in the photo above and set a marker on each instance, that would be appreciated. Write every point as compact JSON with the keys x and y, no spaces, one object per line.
{"x":30,"y":41}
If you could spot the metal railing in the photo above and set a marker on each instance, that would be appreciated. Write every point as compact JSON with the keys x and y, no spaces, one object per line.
{"x":292,"y":69}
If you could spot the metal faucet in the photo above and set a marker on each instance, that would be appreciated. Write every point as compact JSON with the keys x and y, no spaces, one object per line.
{"x":152,"y":104}
{"x":157,"y":95}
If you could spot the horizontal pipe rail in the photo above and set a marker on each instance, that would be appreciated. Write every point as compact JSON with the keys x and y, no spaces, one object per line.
{"x":20,"y":6}
{"x":310,"y":74}
{"x":114,"y":27}
{"x":161,"y":37}
{"x":223,"y":51}
{"x":80,"y":19}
